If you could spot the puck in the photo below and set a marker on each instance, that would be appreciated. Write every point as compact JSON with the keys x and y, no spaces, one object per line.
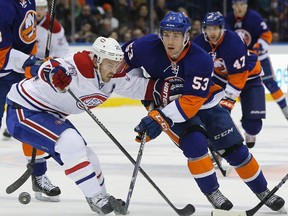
{"x":24,"y":198}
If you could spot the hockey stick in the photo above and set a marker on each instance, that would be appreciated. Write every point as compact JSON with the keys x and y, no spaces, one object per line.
{"x":23,"y":178}
{"x":225,"y":172}
{"x":50,"y":29}
{"x":251,"y":212}
{"x":135,"y":172}
{"x":186,"y":211}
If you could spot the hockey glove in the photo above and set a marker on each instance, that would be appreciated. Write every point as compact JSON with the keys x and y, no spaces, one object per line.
{"x":31,"y":66}
{"x":261,"y":47}
{"x":227,"y":103}
{"x":167,"y":90}
{"x":153,"y":124}
{"x":58,"y":77}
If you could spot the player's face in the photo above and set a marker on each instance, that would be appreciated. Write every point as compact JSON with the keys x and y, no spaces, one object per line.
{"x":173,"y":43}
{"x":240,"y":9}
{"x":41,"y":12}
{"x":213,"y":33}
{"x":108,"y":68}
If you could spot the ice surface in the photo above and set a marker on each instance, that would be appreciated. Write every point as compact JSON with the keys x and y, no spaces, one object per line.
{"x":162,"y":161}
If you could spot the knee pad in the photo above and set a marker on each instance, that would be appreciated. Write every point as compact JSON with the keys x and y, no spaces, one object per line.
{"x":194,"y":144}
{"x":237,"y":155}
{"x":71,"y":147}
{"x":252,"y":126}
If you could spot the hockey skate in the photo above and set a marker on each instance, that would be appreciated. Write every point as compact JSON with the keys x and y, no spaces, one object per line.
{"x":275,"y":202}
{"x":250,"y":140}
{"x":219,"y":201}
{"x":285,"y":112}
{"x":105,"y":204}
{"x":44,"y":189}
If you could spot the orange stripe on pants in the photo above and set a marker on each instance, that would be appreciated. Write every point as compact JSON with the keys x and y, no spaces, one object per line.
{"x":248,"y":170}
{"x":201,"y":166}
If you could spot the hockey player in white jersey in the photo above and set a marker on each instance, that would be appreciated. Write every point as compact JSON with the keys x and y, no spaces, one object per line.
{"x":37,"y":109}
{"x":59,"y":45}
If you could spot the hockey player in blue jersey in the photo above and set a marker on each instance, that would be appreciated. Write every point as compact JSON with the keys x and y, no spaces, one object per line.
{"x":250,"y":25}
{"x":17,"y":47}
{"x":196,"y":114}
{"x":237,"y":70}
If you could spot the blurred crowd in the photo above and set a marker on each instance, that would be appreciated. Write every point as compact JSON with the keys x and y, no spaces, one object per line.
{"x":128,"y":19}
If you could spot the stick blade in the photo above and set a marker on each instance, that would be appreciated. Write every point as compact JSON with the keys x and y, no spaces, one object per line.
{"x":186,"y":211}
{"x":219,"y":212}
{"x":20,"y":181}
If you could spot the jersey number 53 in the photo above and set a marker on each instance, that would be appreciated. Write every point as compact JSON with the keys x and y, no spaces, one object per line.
{"x":200,"y":83}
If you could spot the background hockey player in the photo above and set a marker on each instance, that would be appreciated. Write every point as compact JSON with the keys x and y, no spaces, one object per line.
{"x":37,"y":109}
{"x":236,"y":70}
{"x":17,"y":47}
{"x":250,"y":25}
{"x":196,"y":113}
{"x":59,"y":45}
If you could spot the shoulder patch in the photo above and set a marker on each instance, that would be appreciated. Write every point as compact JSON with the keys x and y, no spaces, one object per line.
{"x":84,"y":64}
{"x":56,"y":24}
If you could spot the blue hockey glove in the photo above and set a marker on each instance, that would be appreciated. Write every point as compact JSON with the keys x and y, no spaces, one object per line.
{"x":31,"y":66}
{"x":227,"y":103}
{"x":153,"y":124}
{"x":167,"y":90}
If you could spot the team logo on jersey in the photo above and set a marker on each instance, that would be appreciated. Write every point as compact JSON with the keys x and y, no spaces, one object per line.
{"x":219,"y":65}
{"x":27,"y":29}
{"x":174,"y":68}
{"x":92,"y":101}
{"x":245,"y":35}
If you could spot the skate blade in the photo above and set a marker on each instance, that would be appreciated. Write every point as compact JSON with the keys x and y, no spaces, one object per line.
{"x":5,"y":138}
{"x":42,"y":197}
{"x":282,"y":210}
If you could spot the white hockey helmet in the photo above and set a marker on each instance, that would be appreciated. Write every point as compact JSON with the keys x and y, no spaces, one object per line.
{"x":41,"y":3}
{"x":107,"y":48}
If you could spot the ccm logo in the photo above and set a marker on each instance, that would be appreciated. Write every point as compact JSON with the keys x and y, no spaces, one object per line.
{"x":162,"y":122}
{"x":223,"y":134}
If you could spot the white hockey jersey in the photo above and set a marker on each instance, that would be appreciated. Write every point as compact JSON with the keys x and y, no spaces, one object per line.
{"x":36,"y":94}
{"x":59,"y":45}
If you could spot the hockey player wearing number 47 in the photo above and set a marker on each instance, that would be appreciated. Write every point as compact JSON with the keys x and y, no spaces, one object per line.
{"x":252,"y":28}
{"x":37,"y":110}
{"x":196,"y":114}
{"x":237,"y":70}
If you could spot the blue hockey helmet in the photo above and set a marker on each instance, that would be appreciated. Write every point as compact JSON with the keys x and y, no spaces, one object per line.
{"x":176,"y":21}
{"x":213,"y":19}
{"x":241,"y":1}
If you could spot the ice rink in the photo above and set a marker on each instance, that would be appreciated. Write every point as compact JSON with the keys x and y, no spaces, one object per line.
{"x":162,"y":161}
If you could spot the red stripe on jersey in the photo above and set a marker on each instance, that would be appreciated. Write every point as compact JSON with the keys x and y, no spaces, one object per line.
{"x":77,"y":167}
{"x":42,"y":106}
{"x":98,"y":176}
